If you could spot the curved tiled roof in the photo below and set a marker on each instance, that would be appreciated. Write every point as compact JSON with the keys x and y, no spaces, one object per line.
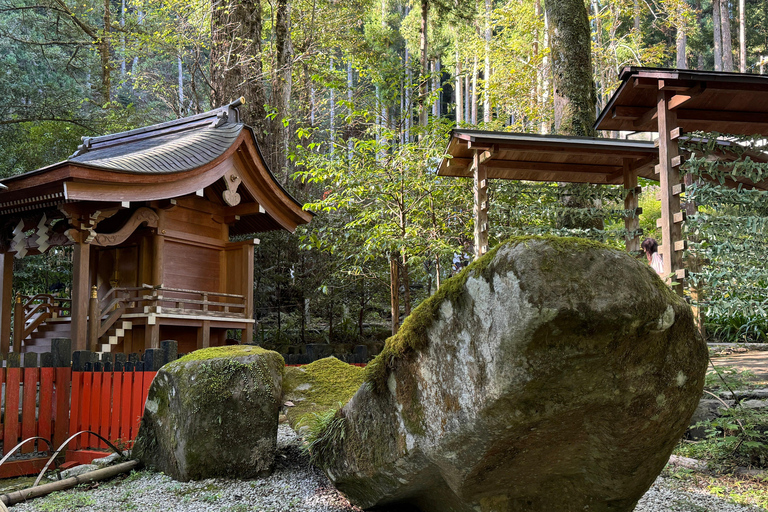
{"x":150,"y":153}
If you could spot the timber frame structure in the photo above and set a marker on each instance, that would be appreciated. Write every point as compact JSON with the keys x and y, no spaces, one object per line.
{"x":160,"y":221}
{"x":668,"y":101}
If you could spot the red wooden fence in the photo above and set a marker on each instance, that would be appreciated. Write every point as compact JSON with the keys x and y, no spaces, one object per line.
{"x":108,"y":403}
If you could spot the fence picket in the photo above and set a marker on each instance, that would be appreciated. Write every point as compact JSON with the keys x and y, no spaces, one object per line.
{"x":117,"y":395}
{"x":105,"y":407}
{"x":45,"y":414}
{"x":28,"y":408}
{"x":11,"y":426}
{"x":77,"y":384}
{"x":125,"y":408}
{"x":137,"y":402}
{"x":85,"y":409}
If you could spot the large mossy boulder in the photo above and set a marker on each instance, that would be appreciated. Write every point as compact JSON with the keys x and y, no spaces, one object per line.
{"x":213,"y":413}
{"x":551,"y":375}
{"x":318,"y":387}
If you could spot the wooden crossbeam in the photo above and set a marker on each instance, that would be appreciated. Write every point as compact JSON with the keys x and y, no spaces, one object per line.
{"x":635,"y":113}
{"x":678,"y":100}
{"x":645,"y":119}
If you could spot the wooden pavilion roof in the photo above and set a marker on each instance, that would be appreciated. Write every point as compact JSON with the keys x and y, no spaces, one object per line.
{"x":703,"y":101}
{"x":161,"y":162}
{"x":517,"y":156}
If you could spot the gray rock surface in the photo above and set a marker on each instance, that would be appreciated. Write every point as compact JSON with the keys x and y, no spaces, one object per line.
{"x":553,"y":374}
{"x":213,"y":413}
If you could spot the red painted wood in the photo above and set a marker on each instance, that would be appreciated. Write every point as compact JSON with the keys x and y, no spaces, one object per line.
{"x":76,"y":407}
{"x":93,"y":423}
{"x":11,"y":426}
{"x":106,"y":408}
{"x":16,"y":468}
{"x":85,"y":456}
{"x":28,"y":408}
{"x":84,"y":421}
{"x":117,"y":398}
{"x":2,"y":379}
{"x":45,"y":410}
{"x":125,"y":407}
{"x":61,"y":412}
{"x":137,"y":403}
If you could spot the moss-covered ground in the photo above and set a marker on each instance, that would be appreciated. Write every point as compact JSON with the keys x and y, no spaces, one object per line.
{"x":318,"y":387}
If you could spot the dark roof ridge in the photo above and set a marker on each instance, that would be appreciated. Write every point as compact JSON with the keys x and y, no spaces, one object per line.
{"x":216,"y":118}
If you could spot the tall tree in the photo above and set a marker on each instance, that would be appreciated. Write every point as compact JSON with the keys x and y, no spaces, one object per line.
{"x":574,"y":89}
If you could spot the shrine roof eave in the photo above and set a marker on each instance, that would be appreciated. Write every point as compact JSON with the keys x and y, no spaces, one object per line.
{"x":703,"y":101}
{"x":549,"y":158}
{"x":71,"y":181}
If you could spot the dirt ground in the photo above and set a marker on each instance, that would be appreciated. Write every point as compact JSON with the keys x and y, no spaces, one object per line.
{"x":755,"y":361}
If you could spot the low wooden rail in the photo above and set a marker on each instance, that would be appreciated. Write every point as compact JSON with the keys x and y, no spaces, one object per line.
{"x":32,"y":311}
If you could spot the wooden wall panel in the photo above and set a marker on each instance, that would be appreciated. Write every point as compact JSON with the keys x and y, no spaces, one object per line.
{"x":191,"y":267}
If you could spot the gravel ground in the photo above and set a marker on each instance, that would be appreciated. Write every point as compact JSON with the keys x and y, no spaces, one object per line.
{"x":294,"y":486}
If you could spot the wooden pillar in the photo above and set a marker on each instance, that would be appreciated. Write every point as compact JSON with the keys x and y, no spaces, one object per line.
{"x":480,"y":189}
{"x":94,"y":320}
{"x":248,"y":291}
{"x":669,"y":177}
{"x":204,"y":335}
{"x":158,"y":259}
{"x":631,"y":223}
{"x":6,"y":301}
{"x":80,"y":295}
{"x":152,"y":333}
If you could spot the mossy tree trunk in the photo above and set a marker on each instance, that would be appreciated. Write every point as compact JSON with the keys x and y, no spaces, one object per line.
{"x":570,"y":45}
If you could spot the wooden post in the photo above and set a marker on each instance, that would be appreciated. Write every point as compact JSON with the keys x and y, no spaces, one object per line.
{"x":247,"y":336}
{"x":94,"y":320}
{"x":204,"y":335}
{"x":80,"y":295}
{"x":669,"y":178}
{"x":152,"y":334}
{"x":480,"y":189}
{"x":18,"y":324}
{"x":6,"y":301}
{"x":158,"y":246}
{"x":631,"y":223}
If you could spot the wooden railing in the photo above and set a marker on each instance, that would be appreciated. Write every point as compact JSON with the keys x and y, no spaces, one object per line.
{"x":32,"y":311}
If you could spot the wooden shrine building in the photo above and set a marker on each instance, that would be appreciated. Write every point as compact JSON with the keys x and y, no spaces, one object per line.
{"x":668,"y":101}
{"x":161,"y":223}
{"x":482,"y":155}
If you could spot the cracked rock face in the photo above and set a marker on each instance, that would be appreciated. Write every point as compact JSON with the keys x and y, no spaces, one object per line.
{"x":554,"y":374}
{"x":213,"y":413}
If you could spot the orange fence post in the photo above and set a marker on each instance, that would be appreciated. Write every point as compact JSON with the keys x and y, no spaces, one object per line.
{"x":29,"y":401}
{"x":12,"y":385}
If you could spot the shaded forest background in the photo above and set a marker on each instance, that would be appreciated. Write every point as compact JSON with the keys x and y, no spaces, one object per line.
{"x":352,"y":102}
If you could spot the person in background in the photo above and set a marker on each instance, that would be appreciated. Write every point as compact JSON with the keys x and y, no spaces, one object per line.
{"x":651,"y":248}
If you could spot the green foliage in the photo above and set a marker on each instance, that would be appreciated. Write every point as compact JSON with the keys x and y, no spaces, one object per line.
{"x":65,"y":501}
{"x":324,"y":437}
{"x":728,"y":235}
{"x":728,"y":378}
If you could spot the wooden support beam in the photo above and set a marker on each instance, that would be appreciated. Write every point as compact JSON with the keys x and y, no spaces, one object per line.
{"x":480,"y":189}
{"x":678,"y":100}
{"x":204,"y":335}
{"x":668,"y":178}
{"x":647,"y":118}
{"x":81,"y":293}
{"x":247,"y":335}
{"x":631,"y":224}
{"x":681,"y":245}
{"x":678,"y":189}
{"x":6,"y":301}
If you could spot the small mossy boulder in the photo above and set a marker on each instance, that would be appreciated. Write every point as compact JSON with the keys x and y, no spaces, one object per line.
{"x":551,"y":375}
{"x":213,"y":413}
{"x":317,"y":387}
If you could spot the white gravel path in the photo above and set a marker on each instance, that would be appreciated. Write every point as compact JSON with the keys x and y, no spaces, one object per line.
{"x":294,"y":486}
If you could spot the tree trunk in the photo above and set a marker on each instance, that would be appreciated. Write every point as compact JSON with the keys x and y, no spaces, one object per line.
{"x":487,"y":68}
{"x":406,"y":286}
{"x":742,"y":37}
{"x":459,"y":93}
{"x":718,"y":37}
{"x":682,"y":40}
{"x":636,"y":16}
{"x":423,"y":119}
{"x":236,"y":67}
{"x":394,"y":292}
{"x":104,"y":51}
{"x":473,"y":97}
{"x":574,"y":89}
{"x":700,"y":24}
{"x":725,"y":29}
{"x":282,"y":83}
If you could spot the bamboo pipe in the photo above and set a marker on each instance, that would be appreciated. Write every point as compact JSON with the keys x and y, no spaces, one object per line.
{"x":68,"y":483}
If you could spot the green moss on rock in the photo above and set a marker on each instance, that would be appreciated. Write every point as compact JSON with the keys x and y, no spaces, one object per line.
{"x":319,"y":387}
